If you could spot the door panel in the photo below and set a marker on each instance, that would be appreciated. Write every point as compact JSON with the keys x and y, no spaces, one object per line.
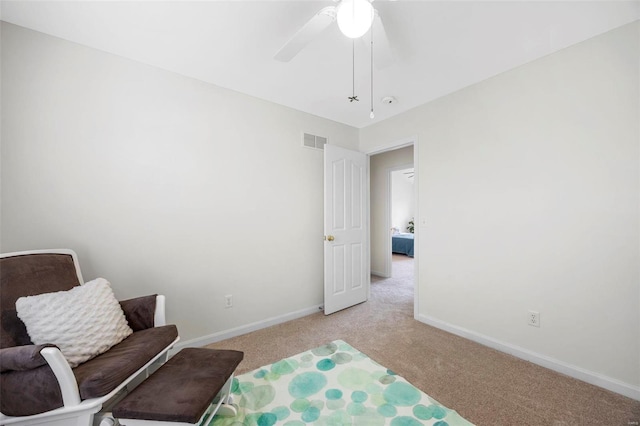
{"x":346,"y":228}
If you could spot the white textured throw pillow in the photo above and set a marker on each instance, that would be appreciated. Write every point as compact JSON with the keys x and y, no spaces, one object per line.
{"x":83,"y":322}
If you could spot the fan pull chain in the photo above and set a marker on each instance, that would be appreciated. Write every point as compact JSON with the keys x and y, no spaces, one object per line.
{"x":353,"y":72}
{"x":372,"y":115}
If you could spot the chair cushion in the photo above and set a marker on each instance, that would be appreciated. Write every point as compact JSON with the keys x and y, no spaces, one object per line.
{"x":182,"y":389}
{"x":100,"y":375}
{"x":140,"y":311}
{"x":27,"y":275}
{"x":28,"y":392}
{"x":83,"y":322}
{"x":22,"y":358}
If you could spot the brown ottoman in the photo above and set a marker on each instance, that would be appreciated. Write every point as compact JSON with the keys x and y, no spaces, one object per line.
{"x":183,"y":390}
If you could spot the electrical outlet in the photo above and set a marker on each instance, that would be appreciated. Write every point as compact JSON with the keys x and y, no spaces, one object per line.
{"x":533,"y":319}
{"x":228,"y":301}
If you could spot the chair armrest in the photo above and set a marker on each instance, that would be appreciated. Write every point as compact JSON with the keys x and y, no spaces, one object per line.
{"x":144,"y":312}
{"x":21,"y":358}
{"x":64,"y":375}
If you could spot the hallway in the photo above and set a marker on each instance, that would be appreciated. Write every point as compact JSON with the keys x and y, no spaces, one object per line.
{"x":398,"y":289}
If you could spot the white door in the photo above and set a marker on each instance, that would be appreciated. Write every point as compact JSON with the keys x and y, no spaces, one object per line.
{"x":346,"y":224}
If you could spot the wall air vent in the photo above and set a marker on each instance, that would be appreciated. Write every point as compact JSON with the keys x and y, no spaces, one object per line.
{"x":313,"y":141}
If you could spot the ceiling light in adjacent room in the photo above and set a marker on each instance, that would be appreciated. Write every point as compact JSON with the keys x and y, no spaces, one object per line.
{"x":354,"y":17}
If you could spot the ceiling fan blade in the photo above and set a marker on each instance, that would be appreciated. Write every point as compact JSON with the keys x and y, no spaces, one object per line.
{"x":313,"y":28}
{"x":383,"y":54}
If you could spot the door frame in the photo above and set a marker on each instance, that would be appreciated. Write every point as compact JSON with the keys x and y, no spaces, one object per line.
{"x":419,"y":220}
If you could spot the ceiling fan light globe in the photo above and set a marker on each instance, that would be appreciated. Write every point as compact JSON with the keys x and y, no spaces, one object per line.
{"x":354,"y":17}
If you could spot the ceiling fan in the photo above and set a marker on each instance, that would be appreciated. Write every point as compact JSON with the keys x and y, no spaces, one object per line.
{"x":355,"y":18}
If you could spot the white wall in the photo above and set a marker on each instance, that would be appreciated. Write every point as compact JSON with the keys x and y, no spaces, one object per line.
{"x":529,"y":184}
{"x":380,"y":165}
{"x":402,"y":195}
{"x":162,"y":183}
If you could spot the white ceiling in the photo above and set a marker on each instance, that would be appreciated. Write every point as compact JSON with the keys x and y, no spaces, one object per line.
{"x":439,"y":46}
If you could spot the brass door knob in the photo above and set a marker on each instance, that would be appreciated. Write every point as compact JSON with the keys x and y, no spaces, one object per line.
{"x":330,"y":238}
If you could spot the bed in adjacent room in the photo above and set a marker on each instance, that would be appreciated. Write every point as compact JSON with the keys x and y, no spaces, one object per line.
{"x":402,"y":243}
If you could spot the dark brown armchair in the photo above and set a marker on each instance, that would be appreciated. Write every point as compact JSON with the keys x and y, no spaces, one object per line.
{"x":37,"y":385}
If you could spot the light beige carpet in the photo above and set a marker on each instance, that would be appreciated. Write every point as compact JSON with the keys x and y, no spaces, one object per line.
{"x":483,"y":385}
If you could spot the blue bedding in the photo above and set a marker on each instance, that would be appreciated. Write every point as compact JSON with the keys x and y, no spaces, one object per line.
{"x":402,"y":243}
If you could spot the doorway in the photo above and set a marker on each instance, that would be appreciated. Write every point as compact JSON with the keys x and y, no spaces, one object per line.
{"x":386,"y":267}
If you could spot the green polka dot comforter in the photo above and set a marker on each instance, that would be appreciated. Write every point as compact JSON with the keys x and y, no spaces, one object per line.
{"x":333,"y":385}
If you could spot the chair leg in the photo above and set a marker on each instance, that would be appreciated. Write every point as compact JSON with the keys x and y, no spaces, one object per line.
{"x":226,"y":409}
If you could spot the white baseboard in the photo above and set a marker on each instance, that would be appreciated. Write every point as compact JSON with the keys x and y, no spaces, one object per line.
{"x":244,"y":329}
{"x":596,"y":379}
{"x":380,"y":274}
